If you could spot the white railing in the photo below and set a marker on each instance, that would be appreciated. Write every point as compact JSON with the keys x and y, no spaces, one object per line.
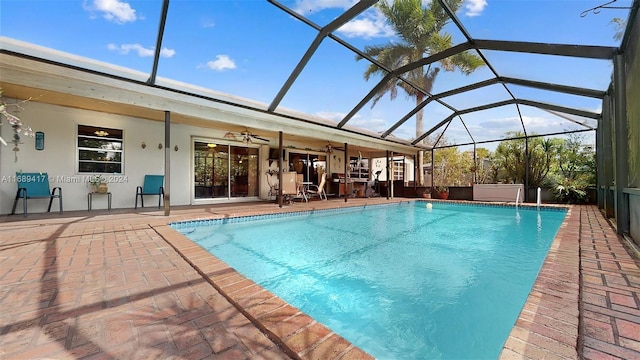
{"x":538,"y":199}
{"x":517,"y":198}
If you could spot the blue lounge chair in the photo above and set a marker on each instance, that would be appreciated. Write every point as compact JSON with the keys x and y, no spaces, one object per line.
{"x":153,"y":185}
{"x":35,"y":186}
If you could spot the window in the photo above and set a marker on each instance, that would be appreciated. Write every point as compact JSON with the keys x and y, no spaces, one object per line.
{"x":99,"y":150}
{"x":398,"y":169}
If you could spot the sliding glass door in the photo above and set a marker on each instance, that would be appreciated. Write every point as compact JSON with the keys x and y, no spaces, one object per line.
{"x":311,"y":166}
{"x":224,"y":170}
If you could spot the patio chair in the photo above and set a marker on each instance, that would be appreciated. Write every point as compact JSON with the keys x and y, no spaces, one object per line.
{"x":291,"y":189}
{"x":301,"y":187}
{"x":153,"y":185}
{"x":318,"y":190}
{"x":35,"y":186}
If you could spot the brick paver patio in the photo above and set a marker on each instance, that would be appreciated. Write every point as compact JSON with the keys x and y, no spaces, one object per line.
{"x":123,"y":285}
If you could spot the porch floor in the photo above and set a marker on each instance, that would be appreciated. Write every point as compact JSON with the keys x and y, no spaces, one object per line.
{"x":122,"y":284}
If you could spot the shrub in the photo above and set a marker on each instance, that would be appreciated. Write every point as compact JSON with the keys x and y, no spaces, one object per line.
{"x":570,"y":192}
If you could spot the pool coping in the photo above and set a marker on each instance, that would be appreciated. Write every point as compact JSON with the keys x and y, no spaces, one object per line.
{"x":549,"y":319}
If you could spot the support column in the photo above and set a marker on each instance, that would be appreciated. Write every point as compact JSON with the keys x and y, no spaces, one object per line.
{"x":526,"y":168}
{"x":621,"y":140}
{"x":167,"y":163}
{"x":603,"y":153}
{"x":280,"y":168}
{"x":475,"y":164}
{"x":608,"y":114}
{"x":415,"y":173}
{"x":433,"y":168}
{"x":347,"y":175}
{"x":420,"y":164}
{"x":388,"y":184}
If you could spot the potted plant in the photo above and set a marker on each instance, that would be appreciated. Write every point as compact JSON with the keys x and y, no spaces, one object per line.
{"x":427,"y":193}
{"x":98,"y":184}
{"x":443,"y":192}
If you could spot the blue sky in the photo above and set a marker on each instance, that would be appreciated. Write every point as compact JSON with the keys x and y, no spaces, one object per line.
{"x":248,"y":48}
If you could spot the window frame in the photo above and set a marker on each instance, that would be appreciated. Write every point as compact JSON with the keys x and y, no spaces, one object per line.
{"x":398,"y":169}
{"x":82,"y":134}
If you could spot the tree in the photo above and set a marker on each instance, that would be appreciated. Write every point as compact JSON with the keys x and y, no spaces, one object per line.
{"x":576,"y":161}
{"x":450,"y":166}
{"x":575,"y":170}
{"x":420,"y":31}
{"x":619,"y":25}
{"x":511,"y":159}
{"x":485,"y":170}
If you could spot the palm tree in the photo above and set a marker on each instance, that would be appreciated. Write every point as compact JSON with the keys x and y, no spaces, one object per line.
{"x":420,"y":29}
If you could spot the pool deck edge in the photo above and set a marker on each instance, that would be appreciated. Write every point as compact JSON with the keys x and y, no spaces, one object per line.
{"x":550,"y":317}
{"x":297,"y":334}
{"x":124,"y":284}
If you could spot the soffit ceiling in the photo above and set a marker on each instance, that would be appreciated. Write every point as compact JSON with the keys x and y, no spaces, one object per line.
{"x":546,"y":64}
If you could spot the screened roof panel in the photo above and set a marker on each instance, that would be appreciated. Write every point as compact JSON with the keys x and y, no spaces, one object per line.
{"x":320,"y":88}
{"x":450,"y":80}
{"x":585,"y":123}
{"x":564,"y":70}
{"x":557,"y":98}
{"x":386,"y":113}
{"x":541,"y":122}
{"x":320,"y":13}
{"x":256,"y":50}
{"x":238,"y":48}
{"x":489,"y":124}
{"x":457,"y":133}
{"x":478,"y":97}
{"x":545,"y":21}
{"x":126,"y":38}
{"x":432,"y":113}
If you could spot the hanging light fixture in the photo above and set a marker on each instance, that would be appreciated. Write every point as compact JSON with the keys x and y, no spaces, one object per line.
{"x":329,"y":149}
{"x":211,"y":145}
{"x":101,"y":133}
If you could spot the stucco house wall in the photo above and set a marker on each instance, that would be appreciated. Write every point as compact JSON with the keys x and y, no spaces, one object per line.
{"x":59,"y":157}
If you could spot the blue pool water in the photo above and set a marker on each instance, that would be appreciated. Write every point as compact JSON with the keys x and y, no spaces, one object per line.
{"x":399,"y":281}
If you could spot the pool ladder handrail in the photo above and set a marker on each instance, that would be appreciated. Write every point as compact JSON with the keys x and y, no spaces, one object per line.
{"x":517,"y":198}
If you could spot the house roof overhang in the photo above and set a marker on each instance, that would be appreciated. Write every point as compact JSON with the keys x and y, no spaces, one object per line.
{"x":49,"y":76}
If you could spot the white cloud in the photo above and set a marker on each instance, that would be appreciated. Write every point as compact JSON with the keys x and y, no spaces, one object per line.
{"x":141,"y":50}
{"x":331,"y":115}
{"x":357,"y":121}
{"x":537,"y":122}
{"x":221,"y":63}
{"x":112,"y":10}
{"x":369,"y":25}
{"x":372,"y":124}
{"x":475,"y":7}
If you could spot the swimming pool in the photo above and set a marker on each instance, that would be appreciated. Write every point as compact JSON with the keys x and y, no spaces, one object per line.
{"x":398,"y":281}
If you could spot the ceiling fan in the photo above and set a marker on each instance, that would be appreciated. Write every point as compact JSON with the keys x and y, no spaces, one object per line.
{"x":329,"y":148}
{"x":245,"y":136}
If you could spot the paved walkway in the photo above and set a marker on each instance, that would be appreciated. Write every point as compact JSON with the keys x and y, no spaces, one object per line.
{"x":123,"y":285}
